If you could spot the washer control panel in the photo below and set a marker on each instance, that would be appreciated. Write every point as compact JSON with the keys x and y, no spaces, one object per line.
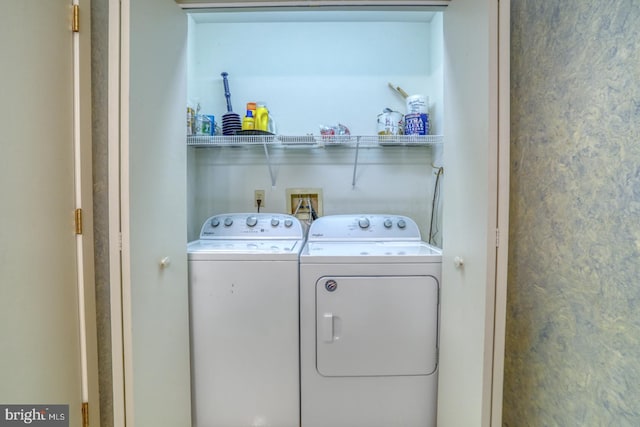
{"x":252,"y":226}
{"x":364,"y":228}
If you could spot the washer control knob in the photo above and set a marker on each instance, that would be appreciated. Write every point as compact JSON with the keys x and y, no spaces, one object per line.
{"x":388,"y":223}
{"x":215,"y":222}
{"x":275,"y":222}
{"x":228,"y":222}
{"x":363,"y":223}
{"x":252,"y":221}
{"x":402,"y":223}
{"x":288,"y":222}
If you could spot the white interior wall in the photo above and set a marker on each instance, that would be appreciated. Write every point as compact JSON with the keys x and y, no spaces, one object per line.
{"x":436,"y":93}
{"x":436,"y":74}
{"x":392,"y":180}
{"x":313,"y":72}
{"x":192,"y":188}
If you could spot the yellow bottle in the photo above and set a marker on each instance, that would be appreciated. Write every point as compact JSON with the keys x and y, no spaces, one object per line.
{"x":248,"y":123}
{"x":262,"y":117}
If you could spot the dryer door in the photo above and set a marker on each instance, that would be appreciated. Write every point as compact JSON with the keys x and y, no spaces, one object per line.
{"x":376,"y":325}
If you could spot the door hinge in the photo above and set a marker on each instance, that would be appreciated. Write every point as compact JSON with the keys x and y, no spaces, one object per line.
{"x":78,"y":221}
{"x":497,"y":238}
{"x":75,"y":22}
{"x":85,"y":414}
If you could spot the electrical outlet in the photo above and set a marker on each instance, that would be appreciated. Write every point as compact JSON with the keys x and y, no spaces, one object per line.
{"x":258,"y":195}
{"x":304,"y":203}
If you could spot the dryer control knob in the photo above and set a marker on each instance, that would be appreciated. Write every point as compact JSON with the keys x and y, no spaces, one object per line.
{"x":215,"y":222}
{"x":252,"y":221}
{"x":363,"y":223}
{"x":228,"y":222}
{"x":288,"y":222}
{"x":388,"y":223}
{"x":275,"y":222}
{"x":402,"y":223}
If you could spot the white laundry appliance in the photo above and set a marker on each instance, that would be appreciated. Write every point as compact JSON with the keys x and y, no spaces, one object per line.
{"x":369,"y":311}
{"x":244,"y":318}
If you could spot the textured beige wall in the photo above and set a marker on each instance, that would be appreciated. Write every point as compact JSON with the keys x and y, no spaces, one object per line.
{"x":573,"y":326}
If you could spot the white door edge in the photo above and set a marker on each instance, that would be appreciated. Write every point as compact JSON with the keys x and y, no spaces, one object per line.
{"x":125,"y":210}
{"x":115,"y":234}
{"x":83,"y":200}
{"x":502,"y":238}
{"x":77,"y":166}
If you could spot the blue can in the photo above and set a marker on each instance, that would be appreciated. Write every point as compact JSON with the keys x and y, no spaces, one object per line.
{"x":416,"y":124}
{"x":212,"y":124}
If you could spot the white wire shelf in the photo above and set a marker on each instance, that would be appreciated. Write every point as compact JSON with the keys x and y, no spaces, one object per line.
{"x":311,"y":141}
{"x":314,"y":140}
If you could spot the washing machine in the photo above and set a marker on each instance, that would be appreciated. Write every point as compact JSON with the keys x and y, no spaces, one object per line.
{"x":369,"y":313}
{"x":244,"y":319}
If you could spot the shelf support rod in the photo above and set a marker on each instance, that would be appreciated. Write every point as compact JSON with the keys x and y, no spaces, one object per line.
{"x":266,"y":153}
{"x":355,"y":163}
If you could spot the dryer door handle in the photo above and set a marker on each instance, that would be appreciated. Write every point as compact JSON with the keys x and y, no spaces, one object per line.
{"x":327,"y":327}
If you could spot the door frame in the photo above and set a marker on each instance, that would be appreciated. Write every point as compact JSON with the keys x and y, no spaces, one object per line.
{"x":83,"y":176}
{"x":119,"y":210}
{"x":115,"y":199}
{"x":502,"y":220}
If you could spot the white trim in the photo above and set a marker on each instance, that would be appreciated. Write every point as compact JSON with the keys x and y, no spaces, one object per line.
{"x":127,"y":314}
{"x":504,"y":141}
{"x":186,"y":4}
{"x":492,"y":204}
{"x":115,"y":267}
{"x":77,"y":170}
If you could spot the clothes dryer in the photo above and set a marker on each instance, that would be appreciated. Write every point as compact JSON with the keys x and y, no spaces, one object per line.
{"x":369,"y":313}
{"x":244,"y":319}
